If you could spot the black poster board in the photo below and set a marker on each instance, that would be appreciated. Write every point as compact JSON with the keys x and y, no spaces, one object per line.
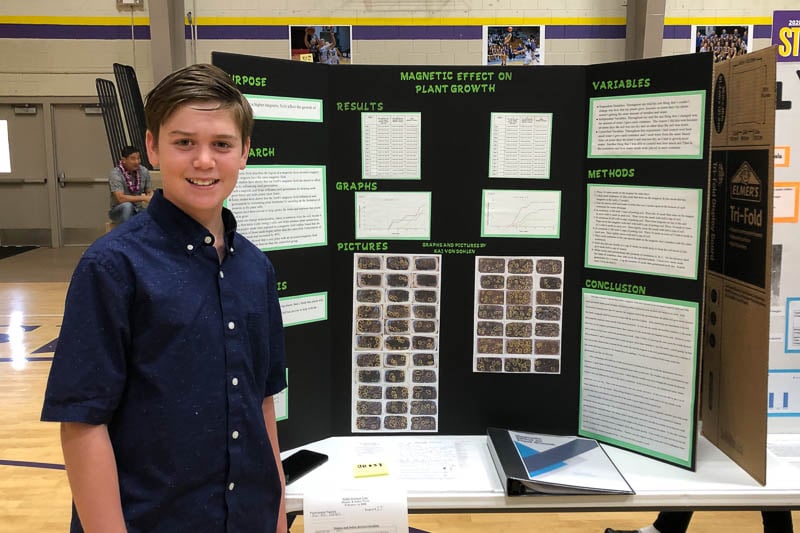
{"x":457,"y":109}
{"x":646,"y":397}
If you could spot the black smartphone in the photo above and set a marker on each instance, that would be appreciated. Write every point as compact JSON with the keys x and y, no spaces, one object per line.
{"x":301,"y":463}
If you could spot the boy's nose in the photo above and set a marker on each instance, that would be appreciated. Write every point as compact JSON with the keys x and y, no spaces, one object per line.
{"x":204,"y":159}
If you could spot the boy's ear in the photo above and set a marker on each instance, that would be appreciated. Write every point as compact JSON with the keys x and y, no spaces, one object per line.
{"x":152,"y":148}
{"x":245,"y":153}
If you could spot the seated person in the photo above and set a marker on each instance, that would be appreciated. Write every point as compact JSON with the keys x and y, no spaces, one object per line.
{"x":130,"y":187}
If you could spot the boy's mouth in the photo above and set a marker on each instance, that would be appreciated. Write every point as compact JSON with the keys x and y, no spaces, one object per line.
{"x":202,"y":182}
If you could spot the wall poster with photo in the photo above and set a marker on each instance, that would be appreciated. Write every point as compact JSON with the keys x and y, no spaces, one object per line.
{"x":320,"y":44}
{"x":513,"y":45}
{"x":724,"y":42}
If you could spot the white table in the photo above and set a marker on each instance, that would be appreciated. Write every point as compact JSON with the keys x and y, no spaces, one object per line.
{"x":456,"y":474}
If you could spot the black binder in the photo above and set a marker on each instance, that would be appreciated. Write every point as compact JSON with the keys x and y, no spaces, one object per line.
{"x":534,"y":463}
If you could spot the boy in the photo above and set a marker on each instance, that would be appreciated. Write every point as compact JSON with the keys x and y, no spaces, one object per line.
{"x":172,"y":345}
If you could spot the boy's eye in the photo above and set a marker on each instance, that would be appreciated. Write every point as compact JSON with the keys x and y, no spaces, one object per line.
{"x":183,"y":142}
{"x":222,"y":144}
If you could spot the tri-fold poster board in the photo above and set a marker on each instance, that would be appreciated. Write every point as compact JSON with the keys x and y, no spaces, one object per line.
{"x":738,"y":285}
{"x":466,"y":247}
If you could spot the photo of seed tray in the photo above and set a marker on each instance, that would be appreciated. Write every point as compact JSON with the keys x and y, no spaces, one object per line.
{"x":518,"y":304}
{"x":395,"y":366}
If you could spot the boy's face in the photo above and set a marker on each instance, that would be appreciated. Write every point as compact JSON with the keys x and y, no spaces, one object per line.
{"x":200,"y":154}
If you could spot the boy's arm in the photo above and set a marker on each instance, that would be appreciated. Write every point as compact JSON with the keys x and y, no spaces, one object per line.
{"x":268,"y":409}
{"x":92,"y":473}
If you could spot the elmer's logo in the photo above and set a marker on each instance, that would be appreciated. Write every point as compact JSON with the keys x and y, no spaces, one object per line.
{"x":745,"y":185}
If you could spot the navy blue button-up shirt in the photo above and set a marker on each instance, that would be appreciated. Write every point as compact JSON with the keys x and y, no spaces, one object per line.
{"x":175,"y":352}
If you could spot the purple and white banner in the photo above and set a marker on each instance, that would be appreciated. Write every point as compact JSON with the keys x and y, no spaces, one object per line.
{"x":786,"y":34}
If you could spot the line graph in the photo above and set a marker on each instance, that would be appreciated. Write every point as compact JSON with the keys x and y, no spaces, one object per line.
{"x":393,"y":215}
{"x":523,"y":213}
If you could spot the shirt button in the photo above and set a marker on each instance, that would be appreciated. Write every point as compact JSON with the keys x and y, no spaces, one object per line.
{"x":235,"y":381}
{"x":231,"y":485}
{"x":231,"y":249}
{"x":190,"y":247}
{"x":235,"y":435}
{"x":208,"y":239}
{"x":231,"y":325}
{"x":221,"y":274}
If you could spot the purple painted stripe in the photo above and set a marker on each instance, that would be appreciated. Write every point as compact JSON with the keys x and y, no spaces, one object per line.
{"x":682,"y":31}
{"x":583,"y":31}
{"x":266,"y":33}
{"x":678,"y":31}
{"x":395,"y":33}
{"x":366,"y":33}
{"x":410,"y":33}
{"x":27,"y":359}
{"x":29,"y":464}
{"x":762,"y":31}
{"x":57,"y":31}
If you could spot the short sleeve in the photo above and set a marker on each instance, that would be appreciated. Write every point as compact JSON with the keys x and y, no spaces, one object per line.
{"x":115,"y":182}
{"x":88,"y":374}
{"x":276,"y":377}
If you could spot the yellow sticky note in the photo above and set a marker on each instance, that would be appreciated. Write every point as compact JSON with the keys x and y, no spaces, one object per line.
{"x":370,"y":469}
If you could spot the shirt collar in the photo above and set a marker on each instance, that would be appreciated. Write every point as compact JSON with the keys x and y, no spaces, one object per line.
{"x":185,"y":230}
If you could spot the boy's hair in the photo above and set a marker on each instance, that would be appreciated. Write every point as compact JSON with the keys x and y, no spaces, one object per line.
{"x":129,"y":151}
{"x":201,"y":82}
